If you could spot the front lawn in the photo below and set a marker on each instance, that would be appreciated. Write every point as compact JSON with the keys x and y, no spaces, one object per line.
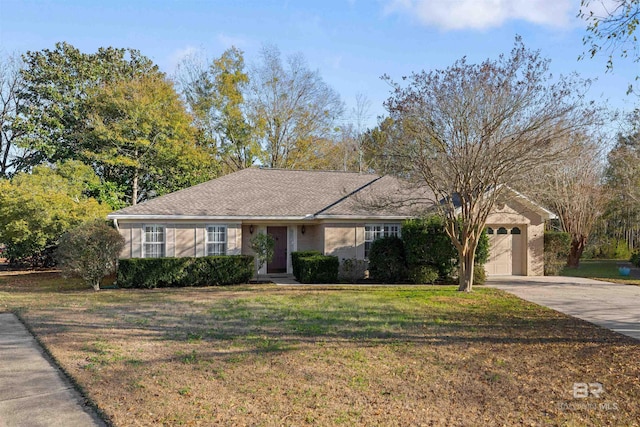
{"x":600,"y":269}
{"x":267,"y":355}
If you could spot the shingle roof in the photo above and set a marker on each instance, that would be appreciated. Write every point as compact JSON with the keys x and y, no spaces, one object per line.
{"x":257,"y":192}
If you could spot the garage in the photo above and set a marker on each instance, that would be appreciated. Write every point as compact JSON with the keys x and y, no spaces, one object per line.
{"x":507,"y":250}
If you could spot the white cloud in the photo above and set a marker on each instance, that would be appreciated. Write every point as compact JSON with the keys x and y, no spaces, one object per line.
{"x":179,"y":55}
{"x":483,"y":14}
{"x":226,"y":41}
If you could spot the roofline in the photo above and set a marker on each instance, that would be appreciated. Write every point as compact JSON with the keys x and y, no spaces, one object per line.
{"x":343,"y":198}
{"x":366,"y":217}
{"x":545,"y":213}
{"x":309,"y":217}
{"x":208,"y":217}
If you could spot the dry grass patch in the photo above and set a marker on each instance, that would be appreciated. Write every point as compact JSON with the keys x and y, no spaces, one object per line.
{"x":266,"y":355}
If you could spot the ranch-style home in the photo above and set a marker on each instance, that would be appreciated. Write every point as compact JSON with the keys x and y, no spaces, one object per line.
{"x":337,"y":213}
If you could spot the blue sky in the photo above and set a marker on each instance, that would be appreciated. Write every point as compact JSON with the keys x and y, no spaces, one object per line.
{"x":351,"y":42}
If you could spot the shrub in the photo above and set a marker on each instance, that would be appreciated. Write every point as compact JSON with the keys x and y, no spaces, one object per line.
{"x":387,"y":262}
{"x":423,"y":274}
{"x":89,"y":251}
{"x":556,"y":250}
{"x":428,"y":244}
{"x":264,"y":246}
{"x":189,"y":271}
{"x":295,"y":257}
{"x":352,"y":270}
{"x":318,"y":269}
{"x":479,"y":274}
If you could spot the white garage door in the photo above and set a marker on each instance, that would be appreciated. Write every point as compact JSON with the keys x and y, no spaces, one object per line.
{"x":506,"y":250}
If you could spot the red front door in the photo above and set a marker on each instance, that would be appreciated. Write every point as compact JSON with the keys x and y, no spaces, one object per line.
{"x":279,"y":262}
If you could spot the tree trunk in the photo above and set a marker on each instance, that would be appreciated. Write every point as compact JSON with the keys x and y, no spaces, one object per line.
{"x":134,"y":191}
{"x":96,"y":285}
{"x":577,"y":247}
{"x":465,"y":271}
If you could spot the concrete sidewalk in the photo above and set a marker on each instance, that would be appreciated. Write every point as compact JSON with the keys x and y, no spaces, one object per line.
{"x":33,"y":392}
{"x":610,"y":305}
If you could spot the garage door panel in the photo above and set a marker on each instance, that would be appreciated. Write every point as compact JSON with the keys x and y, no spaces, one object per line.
{"x":506,"y":253}
{"x":517,"y":249}
{"x":500,"y":259}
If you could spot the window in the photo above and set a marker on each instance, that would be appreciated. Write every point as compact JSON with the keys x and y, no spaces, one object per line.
{"x":153,"y":246}
{"x":515,"y":230}
{"x":216,"y":240}
{"x":502,"y":230}
{"x":376,"y":231}
{"x":489,"y":230}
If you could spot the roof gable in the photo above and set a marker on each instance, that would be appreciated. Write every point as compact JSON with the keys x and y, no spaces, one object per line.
{"x":256,"y":192}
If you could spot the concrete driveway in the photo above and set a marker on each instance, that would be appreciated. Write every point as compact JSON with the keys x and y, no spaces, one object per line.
{"x":610,"y":305}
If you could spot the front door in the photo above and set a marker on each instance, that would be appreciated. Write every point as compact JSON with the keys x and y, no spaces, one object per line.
{"x":279,"y":262}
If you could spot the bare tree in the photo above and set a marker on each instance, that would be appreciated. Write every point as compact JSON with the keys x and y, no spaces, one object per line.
{"x":611,"y":27}
{"x":11,"y":83}
{"x":574,"y":190}
{"x":468,"y":131}
{"x":294,"y":107}
{"x":622,"y":177}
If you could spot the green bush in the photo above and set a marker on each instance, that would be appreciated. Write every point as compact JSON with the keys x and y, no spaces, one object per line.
{"x":635,"y":258}
{"x":427,"y":244}
{"x":90,"y":251}
{"x":479,"y":274}
{"x":387,"y":262}
{"x":182,"y":272}
{"x":556,"y":250}
{"x":295,"y":260}
{"x":318,"y":269}
{"x":423,"y":274}
{"x":352,"y":270}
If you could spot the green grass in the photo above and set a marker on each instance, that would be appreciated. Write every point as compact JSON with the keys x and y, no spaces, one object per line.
{"x":334,"y":355}
{"x":600,"y":269}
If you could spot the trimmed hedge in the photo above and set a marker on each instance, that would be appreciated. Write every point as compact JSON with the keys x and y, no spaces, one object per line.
{"x":295,"y":263}
{"x":183,"y":272}
{"x":318,"y":269}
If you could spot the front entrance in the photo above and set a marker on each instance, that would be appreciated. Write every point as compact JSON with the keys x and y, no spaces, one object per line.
{"x":506,"y":251}
{"x":279,"y":262}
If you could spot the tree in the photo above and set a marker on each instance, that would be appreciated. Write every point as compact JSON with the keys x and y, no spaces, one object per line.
{"x":37,"y":208}
{"x":56,"y":83}
{"x":216,"y":96}
{"x":11,"y":100}
{"x":612,"y":29}
{"x":469,"y":131}
{"x":294,"y":107}
{"x":90,"y":251}
{"x":622,"y":178}
{"x":139,"y":136}
{"x":263,"y":245}
{"x":573,"y":189}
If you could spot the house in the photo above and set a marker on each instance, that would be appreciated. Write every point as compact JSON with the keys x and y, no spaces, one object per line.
{"x":337,"y":213}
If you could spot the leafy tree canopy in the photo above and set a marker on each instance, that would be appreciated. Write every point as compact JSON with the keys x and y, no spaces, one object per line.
{"x":36,"y":208}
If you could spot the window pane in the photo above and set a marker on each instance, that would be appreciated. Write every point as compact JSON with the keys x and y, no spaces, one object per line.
{"x":502,"y":230}
{"x":216,"y":240}
{"x":153,"y":241}
{"x":489,"y":230}
{"x":515,"y":230}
